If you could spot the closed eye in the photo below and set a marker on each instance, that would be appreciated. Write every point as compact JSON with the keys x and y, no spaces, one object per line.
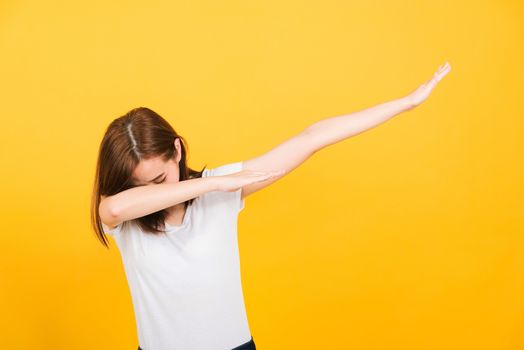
{"x":164,"y":179}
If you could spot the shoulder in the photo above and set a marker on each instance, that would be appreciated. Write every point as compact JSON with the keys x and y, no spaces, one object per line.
{"x":225,"y":169}
{"x":233,"y":199}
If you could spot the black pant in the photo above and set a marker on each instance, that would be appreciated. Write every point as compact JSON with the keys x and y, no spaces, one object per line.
{"x":250,"y":345}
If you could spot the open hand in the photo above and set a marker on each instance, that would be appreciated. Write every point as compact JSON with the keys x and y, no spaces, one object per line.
{"x":422,"y":92}
{"x":234,"y":181}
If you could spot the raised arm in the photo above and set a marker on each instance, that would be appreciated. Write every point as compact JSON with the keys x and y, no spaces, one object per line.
{"x":294,"y":151}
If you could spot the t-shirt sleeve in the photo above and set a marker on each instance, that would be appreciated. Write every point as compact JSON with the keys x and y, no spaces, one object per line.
{"x":114,"y":231}
{"x":235,"y":198}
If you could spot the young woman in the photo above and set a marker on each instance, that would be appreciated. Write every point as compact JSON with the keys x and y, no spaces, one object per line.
{"x":176,"y":228}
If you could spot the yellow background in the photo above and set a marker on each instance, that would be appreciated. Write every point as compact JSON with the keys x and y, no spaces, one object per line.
{"x":407,"y":236}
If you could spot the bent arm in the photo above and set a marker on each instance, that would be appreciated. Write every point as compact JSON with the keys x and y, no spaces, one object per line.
{"x":332,"y":130}
{"x":144,"y":200}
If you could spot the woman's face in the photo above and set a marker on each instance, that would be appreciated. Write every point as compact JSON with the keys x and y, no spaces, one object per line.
{"x":155,"y":170}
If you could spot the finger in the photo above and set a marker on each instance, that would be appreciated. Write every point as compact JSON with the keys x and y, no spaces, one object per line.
{"x":443,"y":73}
{"x":262,"y":178}
{"x":437,"y":76}
{"x":444,"y":68}
{"x":263,"y":174}
{"x":275,"y":172}
{"x":271,"y":174}
{"x":259,"y":173}
{"x":266,"y":175}
{"x":440,"y":73}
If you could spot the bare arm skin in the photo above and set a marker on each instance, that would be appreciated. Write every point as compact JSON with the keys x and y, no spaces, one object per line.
{"x":294,"y":151}
{"x":263,"y":170}
{"x":332,"y":130}
{"x":144,"y":200}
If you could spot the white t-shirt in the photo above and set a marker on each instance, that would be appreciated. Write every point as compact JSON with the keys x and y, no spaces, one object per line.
{"x":186,"y":286}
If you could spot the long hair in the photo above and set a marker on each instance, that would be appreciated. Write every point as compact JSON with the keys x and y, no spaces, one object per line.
{"x":139,"y":134}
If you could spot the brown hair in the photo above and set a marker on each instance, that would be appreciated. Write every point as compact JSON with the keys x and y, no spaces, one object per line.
{"x":139,"y":134}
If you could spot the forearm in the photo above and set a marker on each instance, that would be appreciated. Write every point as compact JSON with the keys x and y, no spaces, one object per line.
{"x":144,"y":200}
{"x":332,"y":130}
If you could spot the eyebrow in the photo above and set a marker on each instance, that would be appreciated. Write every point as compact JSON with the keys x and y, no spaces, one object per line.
{"x":136,"y":183}
{"x":156,"y":178}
